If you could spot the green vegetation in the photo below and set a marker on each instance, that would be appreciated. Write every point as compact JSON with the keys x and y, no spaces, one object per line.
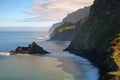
{"x":66,"y":28}
{"x":95,"y":37}
{"x":66,"y":31}
{"x":99,"y":29}
{"x":116,"y":56}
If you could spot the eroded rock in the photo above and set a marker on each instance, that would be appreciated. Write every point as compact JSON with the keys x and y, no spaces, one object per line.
{"x":31,"y":49}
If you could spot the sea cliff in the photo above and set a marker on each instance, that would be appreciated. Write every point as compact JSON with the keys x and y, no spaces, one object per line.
{"x":93,"y":40}
{"x":67,"y":29}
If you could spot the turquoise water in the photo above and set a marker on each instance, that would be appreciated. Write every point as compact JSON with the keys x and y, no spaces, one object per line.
{"x":58,"y":65}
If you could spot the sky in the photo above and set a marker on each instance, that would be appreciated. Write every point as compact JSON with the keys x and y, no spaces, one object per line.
{"x":37,"y":13}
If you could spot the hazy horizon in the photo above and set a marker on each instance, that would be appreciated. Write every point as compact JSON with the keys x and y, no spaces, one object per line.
{"x":37,"y":13}
{"x":45,"y":29}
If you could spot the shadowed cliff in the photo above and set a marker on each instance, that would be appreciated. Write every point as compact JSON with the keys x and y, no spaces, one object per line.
{"x":94,"y":36}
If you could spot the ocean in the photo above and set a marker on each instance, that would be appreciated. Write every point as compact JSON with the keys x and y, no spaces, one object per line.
{"x":58,"y":65}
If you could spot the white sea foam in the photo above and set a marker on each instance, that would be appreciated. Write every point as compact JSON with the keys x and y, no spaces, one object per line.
{"x":40,"y":38}
{"x":43,"y":37}
{"x":5,"y":53}
{"x":92,"y":73}
{"x":8,"y":54}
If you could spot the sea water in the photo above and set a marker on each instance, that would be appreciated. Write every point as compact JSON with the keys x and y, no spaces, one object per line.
{"x":9,"y":40}
{"x":58,"y":65}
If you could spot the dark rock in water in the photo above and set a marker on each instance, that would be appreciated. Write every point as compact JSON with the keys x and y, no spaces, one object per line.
{"x":21,"y":50}
{"x":34,"y":48}
{"x":31,"y":49}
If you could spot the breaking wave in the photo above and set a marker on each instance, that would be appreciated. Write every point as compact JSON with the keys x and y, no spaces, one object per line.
{"x":5,"y":53}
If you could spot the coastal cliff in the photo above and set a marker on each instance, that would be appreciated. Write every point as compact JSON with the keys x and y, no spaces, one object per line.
{"x":95,"y":34}
{"x":67,"y":29}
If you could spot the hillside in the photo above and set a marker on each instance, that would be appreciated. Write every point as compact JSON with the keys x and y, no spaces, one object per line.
{"x":68,"y":25}
{"x":94,"y":36}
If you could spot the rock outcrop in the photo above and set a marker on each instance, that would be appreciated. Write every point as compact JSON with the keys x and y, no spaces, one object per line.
{"x":66,"y":30}
{"x":31,"y":49}
{"x":111,"y":65}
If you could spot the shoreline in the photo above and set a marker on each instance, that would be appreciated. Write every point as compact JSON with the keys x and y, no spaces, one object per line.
{"x":97,"y":61}
{"x":92,"y":72}
{"x":89,"y":56}
{"x":76,"y":58}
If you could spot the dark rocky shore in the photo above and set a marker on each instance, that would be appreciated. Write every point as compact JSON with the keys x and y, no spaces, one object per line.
{"x":94,"y":38}
{"x":101,"y":60}
{"x":31,"y":49}
{"x":108,"y":62}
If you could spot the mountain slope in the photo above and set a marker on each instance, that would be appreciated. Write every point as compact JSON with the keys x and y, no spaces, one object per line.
{"x":102,"y":25}
{"x":68,"y":25}
{"x":94,"y":36}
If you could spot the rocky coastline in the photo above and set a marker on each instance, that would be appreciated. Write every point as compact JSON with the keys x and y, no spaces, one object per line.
{"x":99,"y":60}
{"x":107,"y":62}
{"x":97,"y":38}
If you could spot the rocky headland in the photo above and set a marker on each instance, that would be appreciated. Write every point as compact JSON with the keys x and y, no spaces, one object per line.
{"x":93,"y":40}
{"x":67,"y":29}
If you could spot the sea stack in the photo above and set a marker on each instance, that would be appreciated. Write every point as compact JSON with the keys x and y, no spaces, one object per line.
{"x":31,"y":49}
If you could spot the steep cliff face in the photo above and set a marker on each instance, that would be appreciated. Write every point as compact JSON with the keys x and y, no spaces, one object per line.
{"x":65,"y":32}
{"x":65,"y":29}
{"x":77,"y":15}
{"x":52,"y":30}
{"x":94,"y":36}
{"x":102,"y":25}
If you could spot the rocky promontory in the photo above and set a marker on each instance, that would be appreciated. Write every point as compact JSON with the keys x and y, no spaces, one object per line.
{"x":31,"y":49}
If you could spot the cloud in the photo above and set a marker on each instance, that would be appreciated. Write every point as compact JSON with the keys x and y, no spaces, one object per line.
{"x":52,"y":10}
